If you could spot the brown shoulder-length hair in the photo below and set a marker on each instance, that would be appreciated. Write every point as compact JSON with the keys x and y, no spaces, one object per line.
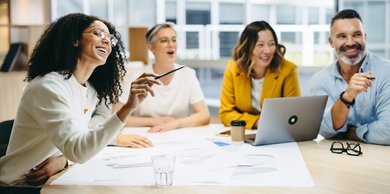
{"x":243,"y":51}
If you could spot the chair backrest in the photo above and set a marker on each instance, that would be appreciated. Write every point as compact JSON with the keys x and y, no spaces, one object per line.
{"x":5,"y":133}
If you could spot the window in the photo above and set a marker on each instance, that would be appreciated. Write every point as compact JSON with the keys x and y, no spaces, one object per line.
{"x":376,"y":30}
{"x":375,"y":16}
{"x":313,"y":15}
{"x":285,"y":14}
{"x":231,"y":13}
{"x":99,"y":8}
{"x":227,"y":43}
{"x":170,"y":11}
{"x":329,"y":15}
{"x":358,"y":6}
{"x":142,"y":13}
{"x":260,"y":12}
{"x":198,"y":13}
{"x":291,"y":37}
{"x":192,"y":39}
{"x":120,"y":12}
{"x":67,"y":7}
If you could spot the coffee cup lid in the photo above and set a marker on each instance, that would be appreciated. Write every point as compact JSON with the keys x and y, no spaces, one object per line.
{"x":237,"y":123}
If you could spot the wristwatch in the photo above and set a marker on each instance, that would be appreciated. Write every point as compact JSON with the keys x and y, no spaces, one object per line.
{"x":346,"y":102}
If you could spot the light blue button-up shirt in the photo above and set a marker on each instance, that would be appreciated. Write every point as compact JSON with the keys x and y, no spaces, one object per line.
{"x":371,"y":112}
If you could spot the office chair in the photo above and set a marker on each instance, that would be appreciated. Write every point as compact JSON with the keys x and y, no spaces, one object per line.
{"x":5,"y":133}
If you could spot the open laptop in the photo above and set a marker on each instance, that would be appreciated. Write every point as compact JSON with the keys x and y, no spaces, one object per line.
{"x":288,"y":119}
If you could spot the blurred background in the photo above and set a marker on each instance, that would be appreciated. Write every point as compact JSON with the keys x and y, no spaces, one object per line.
{"x":207,"y":29}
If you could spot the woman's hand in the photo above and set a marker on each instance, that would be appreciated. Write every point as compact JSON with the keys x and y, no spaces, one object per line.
{"x":171,"y":125}
{"x":162,"y":120}
{"x":43,"y":171}
{"x":140,"y":89}
{"x":138,"y":92}
{"x":132,"y":140}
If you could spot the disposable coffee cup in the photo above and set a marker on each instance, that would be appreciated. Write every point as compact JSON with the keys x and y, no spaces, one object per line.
{"x":237,"y":130}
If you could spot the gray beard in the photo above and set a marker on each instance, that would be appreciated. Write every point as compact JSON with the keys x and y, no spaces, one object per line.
{"x":351,"y":61}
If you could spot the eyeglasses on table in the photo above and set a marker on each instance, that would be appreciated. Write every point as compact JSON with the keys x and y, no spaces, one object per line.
{"x":352,"y":149}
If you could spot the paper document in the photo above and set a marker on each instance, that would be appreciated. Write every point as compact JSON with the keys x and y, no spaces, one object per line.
{"x":199,"y":161}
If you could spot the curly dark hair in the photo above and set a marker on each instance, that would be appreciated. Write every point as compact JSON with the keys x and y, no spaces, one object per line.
{"x":245,"y":45}
{"x":55,"y":52}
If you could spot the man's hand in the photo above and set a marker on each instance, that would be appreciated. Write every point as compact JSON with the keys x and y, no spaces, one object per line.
{"x":351,"y":134}
{"x":43,"y":171}
{"x":360,"y":82}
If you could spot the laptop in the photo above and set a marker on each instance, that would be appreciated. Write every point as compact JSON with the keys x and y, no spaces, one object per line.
{"x":288,"y":119}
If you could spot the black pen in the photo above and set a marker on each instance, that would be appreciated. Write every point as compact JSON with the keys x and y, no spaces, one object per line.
{"x":169,"y":72}
{"x":369,"y":78}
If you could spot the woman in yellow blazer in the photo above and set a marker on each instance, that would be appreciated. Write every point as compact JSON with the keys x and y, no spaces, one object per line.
{"x":257,"y":71}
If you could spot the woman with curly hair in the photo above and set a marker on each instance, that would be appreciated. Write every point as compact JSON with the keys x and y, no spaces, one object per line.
{"x":257,"y":71}
{"x":76,"y":65}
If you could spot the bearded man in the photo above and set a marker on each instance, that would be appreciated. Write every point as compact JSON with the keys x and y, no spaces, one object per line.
{"x":357,"y":83}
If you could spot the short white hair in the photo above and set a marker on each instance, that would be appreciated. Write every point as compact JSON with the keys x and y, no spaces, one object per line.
{"x":151,"y":34}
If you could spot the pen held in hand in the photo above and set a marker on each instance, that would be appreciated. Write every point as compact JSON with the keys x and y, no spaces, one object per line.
{"x":369,"y":78}
{"x":169,"y":72}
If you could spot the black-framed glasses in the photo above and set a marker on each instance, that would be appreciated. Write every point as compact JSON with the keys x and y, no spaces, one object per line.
{"x":102,"y":34}
{"x":352,"y":149}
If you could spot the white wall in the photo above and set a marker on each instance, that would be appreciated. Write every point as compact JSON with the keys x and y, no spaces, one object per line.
{"x":27,"y":12}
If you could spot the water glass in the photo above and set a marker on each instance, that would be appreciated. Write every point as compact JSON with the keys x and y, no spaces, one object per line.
{"x":163,"y":166}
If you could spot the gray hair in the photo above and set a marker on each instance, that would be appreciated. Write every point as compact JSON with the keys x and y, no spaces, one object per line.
{"x":151,"y":34}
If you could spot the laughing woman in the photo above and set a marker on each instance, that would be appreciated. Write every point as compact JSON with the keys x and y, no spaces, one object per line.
{"x":257,"y":71}
{"x":76,"y":65}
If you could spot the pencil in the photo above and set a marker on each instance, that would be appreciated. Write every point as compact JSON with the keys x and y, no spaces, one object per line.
{"x":169,"y":72}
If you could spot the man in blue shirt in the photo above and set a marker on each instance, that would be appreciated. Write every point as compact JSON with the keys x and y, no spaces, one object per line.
{"x":357,"y":83}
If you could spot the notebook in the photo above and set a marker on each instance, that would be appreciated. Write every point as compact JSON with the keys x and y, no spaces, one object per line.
{"x":289,"y":119}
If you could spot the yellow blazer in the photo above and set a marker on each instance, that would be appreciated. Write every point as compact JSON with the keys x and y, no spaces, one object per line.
{"x":236,"y":91}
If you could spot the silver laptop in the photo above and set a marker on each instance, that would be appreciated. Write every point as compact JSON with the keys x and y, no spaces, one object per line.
{"x":289,"y":119}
